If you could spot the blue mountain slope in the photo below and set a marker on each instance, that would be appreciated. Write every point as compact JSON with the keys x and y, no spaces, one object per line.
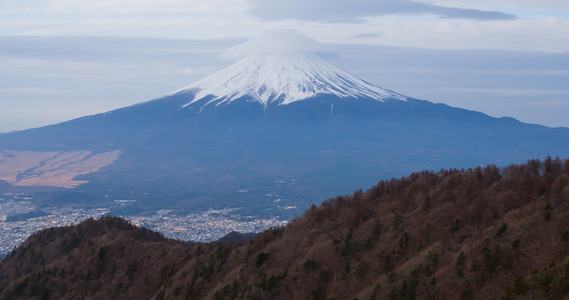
{"x":191,"y":150}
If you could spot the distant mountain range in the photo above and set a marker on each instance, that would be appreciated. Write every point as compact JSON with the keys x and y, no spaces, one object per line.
{"x":482,"y":233}
{"x":271,"y":131}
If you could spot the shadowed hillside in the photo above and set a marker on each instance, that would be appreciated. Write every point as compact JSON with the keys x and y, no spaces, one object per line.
{"x":477,"y":234}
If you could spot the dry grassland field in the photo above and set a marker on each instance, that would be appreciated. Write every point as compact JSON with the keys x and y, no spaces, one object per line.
{"x":57,"y":169}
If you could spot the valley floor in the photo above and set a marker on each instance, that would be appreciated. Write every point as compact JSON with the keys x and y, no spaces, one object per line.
{"x":17,"y":221}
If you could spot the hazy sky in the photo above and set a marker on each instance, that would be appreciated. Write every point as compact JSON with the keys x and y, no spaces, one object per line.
{"x":61,"y":59}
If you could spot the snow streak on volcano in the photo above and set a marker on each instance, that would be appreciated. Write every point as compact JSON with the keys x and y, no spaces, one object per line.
{"x":283,"y":78}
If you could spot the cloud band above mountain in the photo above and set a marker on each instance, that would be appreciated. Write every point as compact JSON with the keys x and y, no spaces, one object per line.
{"x":273,"y":41}
{"x":338,"y":10}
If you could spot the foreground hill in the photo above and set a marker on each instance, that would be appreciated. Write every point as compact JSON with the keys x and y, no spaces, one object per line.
{"x":477,"y":234}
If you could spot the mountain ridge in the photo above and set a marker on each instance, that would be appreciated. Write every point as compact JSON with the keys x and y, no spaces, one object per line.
{"x":480,"y":233}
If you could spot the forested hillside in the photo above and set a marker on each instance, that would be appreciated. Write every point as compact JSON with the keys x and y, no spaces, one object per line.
{"x":481,"y":233}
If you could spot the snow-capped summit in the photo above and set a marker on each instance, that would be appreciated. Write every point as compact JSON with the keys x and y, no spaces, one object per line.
{"x":283,"y":78}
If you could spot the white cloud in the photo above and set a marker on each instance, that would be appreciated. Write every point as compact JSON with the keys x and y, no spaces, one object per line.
{"x":505,"y":4}
{"x":31,"y":91}
{"x":128,"y":7}
{"x":273,"y":41}
{"x":547,"y":35}
{"x":174,"y":18}
{"x":350,"y":11}
{"x":504,"y":92}
{"x":363,"y":21}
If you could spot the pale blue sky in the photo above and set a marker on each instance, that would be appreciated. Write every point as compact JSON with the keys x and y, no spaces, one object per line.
{"x":61,"y":59}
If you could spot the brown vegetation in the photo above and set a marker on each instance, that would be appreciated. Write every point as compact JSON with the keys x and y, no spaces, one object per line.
{"x":482,"y":233}
{"x":57,"y":169}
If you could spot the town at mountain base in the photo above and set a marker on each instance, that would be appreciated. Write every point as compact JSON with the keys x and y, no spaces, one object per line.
{"x":480,"y":233}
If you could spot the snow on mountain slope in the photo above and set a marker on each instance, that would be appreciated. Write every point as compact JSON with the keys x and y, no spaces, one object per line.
{"x":283,"y":77}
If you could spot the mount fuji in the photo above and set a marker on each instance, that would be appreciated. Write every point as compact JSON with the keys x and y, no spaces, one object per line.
{"x":272,"y":132}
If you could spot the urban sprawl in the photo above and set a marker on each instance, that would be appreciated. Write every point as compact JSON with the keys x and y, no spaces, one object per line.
{"x":200,"y":227}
